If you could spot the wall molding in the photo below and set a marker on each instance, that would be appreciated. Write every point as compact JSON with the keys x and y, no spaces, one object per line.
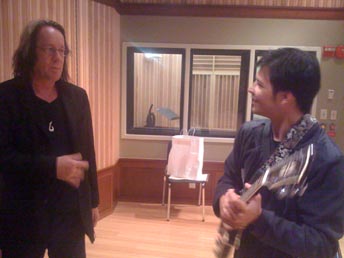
{"x":239,"y":11}
{"x":141,"y":180}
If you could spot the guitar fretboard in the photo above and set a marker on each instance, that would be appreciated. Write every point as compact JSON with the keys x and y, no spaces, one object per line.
{"x":250,"y":192}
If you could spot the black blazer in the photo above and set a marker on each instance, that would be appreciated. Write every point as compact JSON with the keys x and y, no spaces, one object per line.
{"x":23,"y":169}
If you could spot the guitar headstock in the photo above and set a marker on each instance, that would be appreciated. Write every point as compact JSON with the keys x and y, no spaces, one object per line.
{"x":288,"y":177}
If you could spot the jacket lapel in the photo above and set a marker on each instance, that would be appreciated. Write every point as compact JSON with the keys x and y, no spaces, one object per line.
{"x":70,"y":108}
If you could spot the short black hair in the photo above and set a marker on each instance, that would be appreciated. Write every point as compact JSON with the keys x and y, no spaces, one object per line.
{"x":293,"y":70}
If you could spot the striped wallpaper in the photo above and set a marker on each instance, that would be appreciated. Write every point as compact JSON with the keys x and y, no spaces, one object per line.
{"x":92,"y":31}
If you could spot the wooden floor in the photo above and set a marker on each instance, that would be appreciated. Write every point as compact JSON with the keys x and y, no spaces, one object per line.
{"x":136,"y":230}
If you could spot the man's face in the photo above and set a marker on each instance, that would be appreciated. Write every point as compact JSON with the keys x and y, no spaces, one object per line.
{"x":49,"y":55}
{"x":264,"y":102}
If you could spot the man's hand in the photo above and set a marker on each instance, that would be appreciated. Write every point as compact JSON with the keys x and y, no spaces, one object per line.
{"x":71,"y":169}
{"x":235,"y":213}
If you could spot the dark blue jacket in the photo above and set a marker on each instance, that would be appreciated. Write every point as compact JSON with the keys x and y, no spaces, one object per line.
{"x":305,"y":227}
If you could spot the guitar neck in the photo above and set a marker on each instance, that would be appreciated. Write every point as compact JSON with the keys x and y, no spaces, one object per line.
{"x":250,"y":192}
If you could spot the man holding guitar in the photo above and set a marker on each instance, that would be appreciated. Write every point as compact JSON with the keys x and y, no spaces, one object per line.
{"x":304,"y":222}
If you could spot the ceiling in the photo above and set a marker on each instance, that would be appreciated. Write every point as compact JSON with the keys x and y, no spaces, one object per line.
{"x":293,"y":9}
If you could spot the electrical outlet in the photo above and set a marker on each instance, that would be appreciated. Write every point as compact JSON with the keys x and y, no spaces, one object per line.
{"x":323,"y":114}
{"x":192,"y":185}
{"x":333,"y":115}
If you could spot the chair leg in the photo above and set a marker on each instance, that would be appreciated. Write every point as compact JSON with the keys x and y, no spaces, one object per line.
{"x":163,"y":191}
{"x":203,"y":200}
{"x":199,"y":194}
{"x":168,"y":201}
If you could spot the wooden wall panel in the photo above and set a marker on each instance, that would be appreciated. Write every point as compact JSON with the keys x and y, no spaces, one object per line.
{"x":277,"y":9}
{"x":116,"y":184}
{"x":274,"y":3}
{"x":141,"y":180}
{"x":105,"y":184}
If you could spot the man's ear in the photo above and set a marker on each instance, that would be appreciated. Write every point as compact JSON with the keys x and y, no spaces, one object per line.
{"x":286,"y":97}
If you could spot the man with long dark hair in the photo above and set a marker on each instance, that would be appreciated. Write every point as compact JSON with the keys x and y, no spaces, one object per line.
{"x":49,"y":194}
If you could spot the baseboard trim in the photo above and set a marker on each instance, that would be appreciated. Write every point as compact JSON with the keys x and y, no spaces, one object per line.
{"x":141,"y":180}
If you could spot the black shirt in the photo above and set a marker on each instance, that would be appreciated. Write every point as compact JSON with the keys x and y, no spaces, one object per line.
{"x":61,"y":196}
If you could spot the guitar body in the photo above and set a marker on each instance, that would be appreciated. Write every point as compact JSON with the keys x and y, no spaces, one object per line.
{"x":226,"y":252}
{"x":226,"y":242}
{"x":287,"y":178}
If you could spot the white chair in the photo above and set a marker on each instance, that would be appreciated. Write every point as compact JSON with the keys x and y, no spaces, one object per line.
{"x":200,"y":180}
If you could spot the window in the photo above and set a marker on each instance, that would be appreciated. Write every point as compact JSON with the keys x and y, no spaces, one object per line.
{"x":155,"y":88}
{"x":218,"y":88}
{"x":170,"y":88}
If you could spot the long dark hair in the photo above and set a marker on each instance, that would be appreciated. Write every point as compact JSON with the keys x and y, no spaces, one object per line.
{"x":24,"y":57}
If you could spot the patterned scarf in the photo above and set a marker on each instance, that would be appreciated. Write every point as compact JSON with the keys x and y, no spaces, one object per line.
{"x":293,"y":137}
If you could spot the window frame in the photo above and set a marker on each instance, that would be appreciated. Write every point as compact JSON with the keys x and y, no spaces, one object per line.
{"x":130,"y":91}
{"x":252,"y":48}
{"x":243,"y":84}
